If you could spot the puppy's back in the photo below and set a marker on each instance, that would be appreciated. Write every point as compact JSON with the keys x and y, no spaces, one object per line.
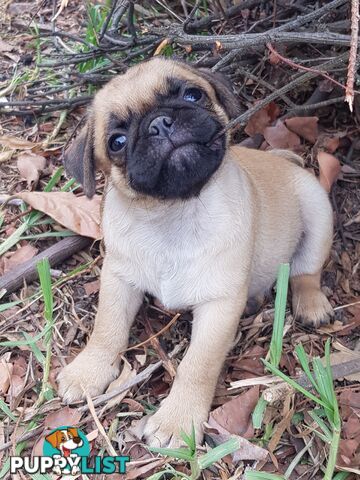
{"x":278,"y":181}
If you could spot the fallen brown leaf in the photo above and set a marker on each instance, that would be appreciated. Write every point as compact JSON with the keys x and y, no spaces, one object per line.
{"x":126,"y":374}
{"x":148,"y":467}
{"x":6,"y":155}
{"x":279,"y":136}
{"x":329,"y":169}
{"x":20,"y":255}
{"x":235,"y":416}
{"x":6,"y":370}
{"x":247,"y":450}
{"x":92,"y":287}
{"x":262,"y":119}
{"x":78,"y":214}
{"x":330,"y":143}
{"x":349,"y":402}
{"x":64,"y":417}
{"x":30,"y":166}
{"x":305,"y":127}
{"x":5,"y":47}
{"x":16,"y":143}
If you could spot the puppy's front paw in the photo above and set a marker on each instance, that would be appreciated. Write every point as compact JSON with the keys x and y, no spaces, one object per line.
{"x":313,"y":309}
{"x":87,"y":372}
{"x":163,"y":428}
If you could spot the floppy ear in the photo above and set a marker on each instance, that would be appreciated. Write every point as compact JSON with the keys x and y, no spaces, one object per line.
{"x":79,"y":159}
{"x":223,"y":90}
{"x":54,"y":438}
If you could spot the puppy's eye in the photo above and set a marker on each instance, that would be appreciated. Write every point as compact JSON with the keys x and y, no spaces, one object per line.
{"x":117,"y":142}
{"x":192,"y":94}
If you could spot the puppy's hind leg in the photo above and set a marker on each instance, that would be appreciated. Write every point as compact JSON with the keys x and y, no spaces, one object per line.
{"x":309,"y":303}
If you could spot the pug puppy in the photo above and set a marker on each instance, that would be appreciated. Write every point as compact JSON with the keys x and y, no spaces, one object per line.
{"x":193,"y":220}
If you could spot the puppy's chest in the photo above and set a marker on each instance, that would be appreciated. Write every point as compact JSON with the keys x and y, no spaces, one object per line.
{"x":168,"y":269}
{"x":176,"y":262}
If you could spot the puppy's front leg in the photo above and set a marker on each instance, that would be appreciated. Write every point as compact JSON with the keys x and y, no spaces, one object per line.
{"x":214,"y":329}
{"x":98,"y":364}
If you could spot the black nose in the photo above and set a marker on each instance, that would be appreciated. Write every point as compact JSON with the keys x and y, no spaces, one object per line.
{"x":77,"y":440}
{"x":161,"y":126}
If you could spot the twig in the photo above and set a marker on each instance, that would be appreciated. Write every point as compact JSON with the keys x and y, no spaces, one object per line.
{"x":26,"y":436}
{"x":262,"y":82}
{"x":244,"y":42}
{"x":313,"y":106}
{"x":168,"y":365}
{"x":139,"y":378}
{"x":152,"y":337}
{"x":91,"y":407}
{"x":244,"y":118}
{"x":349,"y":92}
{"x":105,"y":25}
{"x":302,"y":67}
{"x":56,"y":254}
{"x":274,"y":393}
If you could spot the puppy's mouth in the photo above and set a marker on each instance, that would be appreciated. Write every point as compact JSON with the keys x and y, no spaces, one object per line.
{"x":170,"y":169}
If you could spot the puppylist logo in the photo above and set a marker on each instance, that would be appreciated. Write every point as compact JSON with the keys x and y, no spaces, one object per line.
{"x":66,"y":450}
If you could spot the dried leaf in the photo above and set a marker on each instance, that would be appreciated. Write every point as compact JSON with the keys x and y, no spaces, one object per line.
{"x":21,"y":255}
{"x":280,"y":136}
{"x":78,"y":214}
{"x":235,"y":416}
{"x":126,"y":374}
{"x":64,"y":417}
{"x":16,"y":143}
{"x":262,"y":119}
{"x":329,"y":169}
{"x":6,"y":370}
{"x":16,"y":386}
{"x":30,"y":166}
{"x":247,"y":450}
{"x":138,"y":472}
{"x":305,"y":127}
{"x":161,"y":46}
{"x":6,"y":155}
{"x":337,"y":358}
{"x":5,"y":47}
{"x":330,"y":144}
{"x":92,"y":287}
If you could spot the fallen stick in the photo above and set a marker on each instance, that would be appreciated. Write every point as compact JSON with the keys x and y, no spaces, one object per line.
{"x":56,"y":254}
{"x":140,"y":377}
{"x":279,"y":391}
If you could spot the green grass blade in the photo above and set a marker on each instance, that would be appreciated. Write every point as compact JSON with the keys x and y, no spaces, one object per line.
{"x":180,"y":453}
{"x":341,"y":476}
{"x":321,"y":425}
{"x":7,"y":410}
{"x":252,"y":475}
{"x":276,"y":343}
{"x":54,"y":179}
{"x":217,"y":453}
{"x":303,"y":359}
{"x":293,"y":384}
{"x":23,"y":343}
{"x":43,"y":268}
{"x":190,"y":440}
{"x":258,"y":413}
{"x":36,"y":350}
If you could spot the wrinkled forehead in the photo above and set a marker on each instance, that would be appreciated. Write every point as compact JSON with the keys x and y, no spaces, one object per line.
{"x":138,"y":89}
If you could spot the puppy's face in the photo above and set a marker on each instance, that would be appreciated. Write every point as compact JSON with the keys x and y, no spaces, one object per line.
{"x":155,"y":130}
